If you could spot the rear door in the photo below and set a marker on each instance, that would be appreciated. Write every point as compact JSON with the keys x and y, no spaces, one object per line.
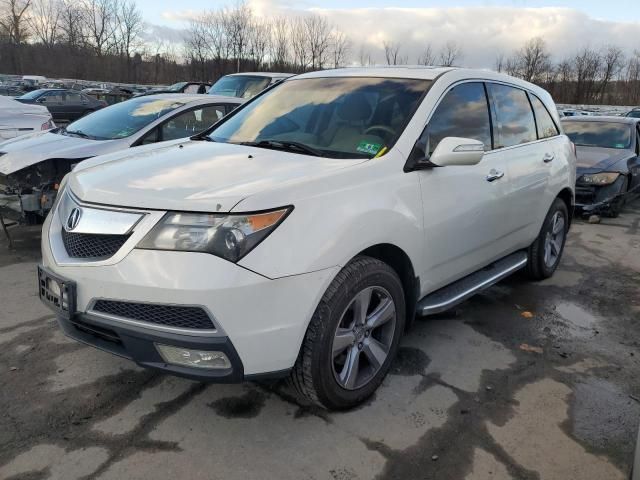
{"x":75,"y":105}
{"x":529,"y":156}
{"x":54,"y":101}
{"x":464,"y":206}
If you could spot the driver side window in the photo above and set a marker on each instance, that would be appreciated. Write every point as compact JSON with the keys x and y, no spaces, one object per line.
{"x":463,"y":112}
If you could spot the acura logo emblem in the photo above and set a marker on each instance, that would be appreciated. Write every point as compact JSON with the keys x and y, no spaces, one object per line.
{"x":74,"y":219}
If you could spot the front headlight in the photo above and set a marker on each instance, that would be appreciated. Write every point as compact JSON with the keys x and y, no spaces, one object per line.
{"x":229,"y":236}
{"x":606,"y":178}
{"x":60,"y":192}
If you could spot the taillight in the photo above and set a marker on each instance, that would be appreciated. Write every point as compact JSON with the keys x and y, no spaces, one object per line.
{"x":46,"y":125}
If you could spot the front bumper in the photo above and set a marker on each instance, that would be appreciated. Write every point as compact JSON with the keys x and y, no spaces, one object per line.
{"x":138,"y":344}
{"x":597,"y":199}
{"x":262,"y":320}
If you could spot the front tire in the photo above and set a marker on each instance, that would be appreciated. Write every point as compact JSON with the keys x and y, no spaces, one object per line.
{"x":545,"y":252}
{"x":352,"y":337}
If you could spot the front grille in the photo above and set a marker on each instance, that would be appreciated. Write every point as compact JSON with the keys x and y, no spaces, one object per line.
{"x":177,"y":316}
{"x":86,"y":245}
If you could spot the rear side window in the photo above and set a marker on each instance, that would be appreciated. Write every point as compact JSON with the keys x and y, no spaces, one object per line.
{"x":546,"y":127}
{"x":463,"y":112}
{"x":515,"y":117}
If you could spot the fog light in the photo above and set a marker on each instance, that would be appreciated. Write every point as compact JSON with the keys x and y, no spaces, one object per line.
{"x":193,"y":358}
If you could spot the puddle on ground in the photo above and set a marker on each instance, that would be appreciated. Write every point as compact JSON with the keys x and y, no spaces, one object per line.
{"x":578,"y":317}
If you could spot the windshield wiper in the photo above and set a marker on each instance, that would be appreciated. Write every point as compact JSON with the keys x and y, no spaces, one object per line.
{"x":201,"y":136}
{"x":285,"y":145}
{"x":80,"y":133}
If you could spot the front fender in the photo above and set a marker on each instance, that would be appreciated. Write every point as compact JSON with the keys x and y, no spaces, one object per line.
{"x":339,"y":216}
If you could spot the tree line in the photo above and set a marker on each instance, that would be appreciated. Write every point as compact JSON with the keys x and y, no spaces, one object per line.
{"x":104,"y":39}
{"x":602,"y":75}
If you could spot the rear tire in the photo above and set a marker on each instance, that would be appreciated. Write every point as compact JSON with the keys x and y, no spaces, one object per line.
{"x":546,"y":251}
{"x":355,"y":328}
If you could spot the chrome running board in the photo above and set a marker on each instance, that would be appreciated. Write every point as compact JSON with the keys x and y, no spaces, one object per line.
{"x":451,"y":295}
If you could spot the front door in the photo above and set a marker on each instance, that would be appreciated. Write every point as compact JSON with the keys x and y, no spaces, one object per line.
{"x":464,"y":206}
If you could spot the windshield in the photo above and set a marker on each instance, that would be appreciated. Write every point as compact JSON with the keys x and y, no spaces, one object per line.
{"x":32,"y":95}
{"x":599,"y":134}
{"x":341,"y":117}
{"x":122,"y":119}
{"x":177,"y":87}
{"x":242,"y":86}
{"x":634,"y":114}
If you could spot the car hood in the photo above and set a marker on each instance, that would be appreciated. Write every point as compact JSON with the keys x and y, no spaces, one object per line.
{"x":27,"y":150}
{"x":193,"y":175}
{"x":599,"y":159}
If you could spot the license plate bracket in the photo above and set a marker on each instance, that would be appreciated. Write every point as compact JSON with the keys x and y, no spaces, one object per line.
{"x":56,"y":292}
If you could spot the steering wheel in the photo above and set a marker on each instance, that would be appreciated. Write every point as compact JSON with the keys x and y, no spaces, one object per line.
{"x":381,"y":128}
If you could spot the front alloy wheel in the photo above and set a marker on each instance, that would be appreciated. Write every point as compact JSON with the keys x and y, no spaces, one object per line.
{"x":363,"y":338}
{"x":352,"y":337}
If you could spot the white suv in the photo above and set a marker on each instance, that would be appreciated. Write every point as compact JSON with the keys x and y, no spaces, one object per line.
{"x":302,"y":234}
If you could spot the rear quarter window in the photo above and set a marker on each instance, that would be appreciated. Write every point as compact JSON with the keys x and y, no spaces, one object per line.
{"x":516,"y":124}
{"x":544,"y":123}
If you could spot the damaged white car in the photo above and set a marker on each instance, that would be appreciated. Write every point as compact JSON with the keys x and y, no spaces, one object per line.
{"x":32,"y":166}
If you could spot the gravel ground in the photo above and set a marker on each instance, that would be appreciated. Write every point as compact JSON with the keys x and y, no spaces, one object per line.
{"x":525,"y":381}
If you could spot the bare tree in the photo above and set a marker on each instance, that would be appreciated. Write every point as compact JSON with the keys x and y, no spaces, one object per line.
{"x":101,"y":25}
{"x":613,"y":60}
{"x":129,"y":28}
{"x":392,"y":54}
{"x":299,"y":44}
{"x":14,"y":27}
{"x":499,"y":64}
{"x":196,"y":46}
{"x":531,"y":61}
{"x":259,"y":41}
{"x":587,"y":64}
{"x":450,"y":53}
{"x":318,"y":34}
{"x":238,"y":24}
{"x":427,"y":57}
{"x":72,"y":30}
{"x":364,"y":57}
{"x":13,"y":20}
{"x":44,"y":20}
{"x":340,"y":46}
{"x":280,"y":41}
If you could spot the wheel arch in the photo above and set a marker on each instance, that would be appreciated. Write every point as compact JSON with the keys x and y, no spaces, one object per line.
{"x":566,"y":195}
{"x":401,"y":263}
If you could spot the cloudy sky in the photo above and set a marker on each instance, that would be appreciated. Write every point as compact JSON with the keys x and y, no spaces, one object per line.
{"x":482,"y":28}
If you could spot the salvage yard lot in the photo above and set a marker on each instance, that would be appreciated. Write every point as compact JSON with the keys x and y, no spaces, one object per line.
{"x":523,"y":381}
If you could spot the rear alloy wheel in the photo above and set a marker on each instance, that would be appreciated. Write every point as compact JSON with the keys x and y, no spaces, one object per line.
{"x":545,"y":252}
{"x":352,"y":337}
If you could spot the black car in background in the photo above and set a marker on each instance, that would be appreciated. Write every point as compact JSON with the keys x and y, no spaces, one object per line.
{"x":64,"y":104}
{"x":635,"y":113}
{"x":608,"y":168}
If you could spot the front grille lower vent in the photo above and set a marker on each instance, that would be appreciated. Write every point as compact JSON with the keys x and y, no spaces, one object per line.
{"x":177,"y":316}
{"x":94,"y":246}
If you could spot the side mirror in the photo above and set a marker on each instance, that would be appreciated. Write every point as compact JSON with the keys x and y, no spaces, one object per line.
{"x":41,"y":100}
{"x":457,"y":151}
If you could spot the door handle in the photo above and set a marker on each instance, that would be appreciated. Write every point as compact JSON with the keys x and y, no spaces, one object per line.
{"x":548,"y":157}
{"x":494,"y":175}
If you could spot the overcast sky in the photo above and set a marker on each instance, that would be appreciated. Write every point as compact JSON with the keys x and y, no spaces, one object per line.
{"x":483,"y":29}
